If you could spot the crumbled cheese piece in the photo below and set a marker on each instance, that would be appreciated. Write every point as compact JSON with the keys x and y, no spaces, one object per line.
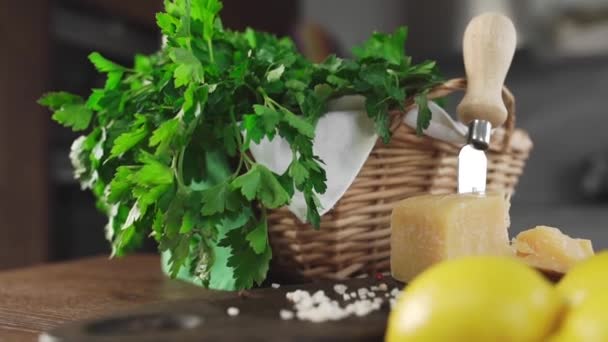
{"x":232,"y":311}
{"x":371,"y":294}
{"x":340,"y":288}
{"x":395,"y":292}
{"x":353,"y":294}
{"x":549,"y":249}
{"x":374,"y":288}
{"x":275,"y":285}
{"x":286,"y":314}
{"x":346,"y":296}
{"x":383,"y":287}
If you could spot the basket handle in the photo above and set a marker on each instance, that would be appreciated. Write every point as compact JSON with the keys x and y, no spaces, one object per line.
{"x":460,"y":84}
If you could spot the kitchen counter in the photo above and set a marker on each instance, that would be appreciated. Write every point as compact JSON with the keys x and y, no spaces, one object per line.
{"x":36,"y":299}
{"x":131,"y":296}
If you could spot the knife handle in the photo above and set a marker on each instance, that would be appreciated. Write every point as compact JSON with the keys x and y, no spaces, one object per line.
{"x":488,"y":47}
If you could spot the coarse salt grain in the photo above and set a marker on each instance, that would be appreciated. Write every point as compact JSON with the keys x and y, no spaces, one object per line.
{"x":232,"y":311}
{"x":275,"y":285}
{"x":362,"y":291}
{"x":340,"y":288}
{"x":286,"y":314}
{"x":297,"y":295}
{"x":319,"y":297}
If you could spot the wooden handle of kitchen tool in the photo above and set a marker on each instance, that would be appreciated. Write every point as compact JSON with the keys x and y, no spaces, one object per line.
{"x":488,"y":48}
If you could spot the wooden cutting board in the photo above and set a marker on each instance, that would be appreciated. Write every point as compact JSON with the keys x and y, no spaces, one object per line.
{"x":203,"y":320}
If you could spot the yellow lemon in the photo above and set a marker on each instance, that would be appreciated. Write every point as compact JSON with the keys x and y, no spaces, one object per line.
{"x":588,"y":278}
{"x":476,"y":299}
{"x":587,"y":322}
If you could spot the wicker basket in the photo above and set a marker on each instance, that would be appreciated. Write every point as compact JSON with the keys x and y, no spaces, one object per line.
{"x":354,"y":236}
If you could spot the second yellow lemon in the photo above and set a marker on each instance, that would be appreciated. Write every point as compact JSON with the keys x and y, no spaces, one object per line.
{"x":587,"y":322}
{"x":476,"y":299}
{"x":588,"y":278}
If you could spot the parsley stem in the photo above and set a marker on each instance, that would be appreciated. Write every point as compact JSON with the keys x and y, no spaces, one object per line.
{"x":269,"y":101}
{"x":177,"y":164}
{"x":210,"y":47}
{"x":248,"y":161}
{"x":239,"y":142}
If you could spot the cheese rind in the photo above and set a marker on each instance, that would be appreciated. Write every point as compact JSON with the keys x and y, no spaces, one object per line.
{"x":431,"y":228}
{"x":549,"y":249}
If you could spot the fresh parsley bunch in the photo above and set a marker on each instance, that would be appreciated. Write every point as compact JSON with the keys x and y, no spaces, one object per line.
{"x":166,"y":148}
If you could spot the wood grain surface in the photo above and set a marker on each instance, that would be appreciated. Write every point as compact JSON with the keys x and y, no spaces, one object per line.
{"x":66,"y":298}
{"x":197,"y":319}
{"x":45,"y":298}
{"x":39,"y":298}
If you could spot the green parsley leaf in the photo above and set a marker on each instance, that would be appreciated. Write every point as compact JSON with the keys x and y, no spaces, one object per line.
{"x":59,"y":99}
{"x":249,"y":267}
{"x":389,"y":47}
{"x":258,"y":238}
{"x":167,"y":23}
{"x":302,"y":126}
{"x":128,"y":140}
{"x":166,"y":135}
{"x":189,"y":68}
{"x":76,"y":116}
{"x":262,"y":184}
{"x":104,"y":65}
{"x":249,"y":183}
{"x":120,"y":184}
{"x":424,"y":113}
{"x":187,"y":223}
{"x":219,"y":198}
{"x":114,"y":78}
{"x":153,"y":172}
{"x":275,"y":74}
{"x":298,"y":172}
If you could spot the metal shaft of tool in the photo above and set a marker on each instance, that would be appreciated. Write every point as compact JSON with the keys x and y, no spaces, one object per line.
{"x":480,"y":132}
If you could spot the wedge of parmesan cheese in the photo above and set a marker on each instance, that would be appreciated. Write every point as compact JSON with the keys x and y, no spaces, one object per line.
{"x":431,"y":228}
{"x":547,"y":248}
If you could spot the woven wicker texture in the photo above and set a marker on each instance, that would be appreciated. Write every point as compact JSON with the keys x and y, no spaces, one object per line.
{"x":354,"y":235}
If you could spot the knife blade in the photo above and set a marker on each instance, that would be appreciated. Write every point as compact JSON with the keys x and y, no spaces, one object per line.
{"x":472,"y":161}
{"x":488,"y":48}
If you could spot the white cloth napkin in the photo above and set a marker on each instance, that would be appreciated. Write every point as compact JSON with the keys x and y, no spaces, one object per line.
{"x":344,"y":138}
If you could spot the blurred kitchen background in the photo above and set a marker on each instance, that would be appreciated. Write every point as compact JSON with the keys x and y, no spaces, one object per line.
{"x":559,"y":77}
